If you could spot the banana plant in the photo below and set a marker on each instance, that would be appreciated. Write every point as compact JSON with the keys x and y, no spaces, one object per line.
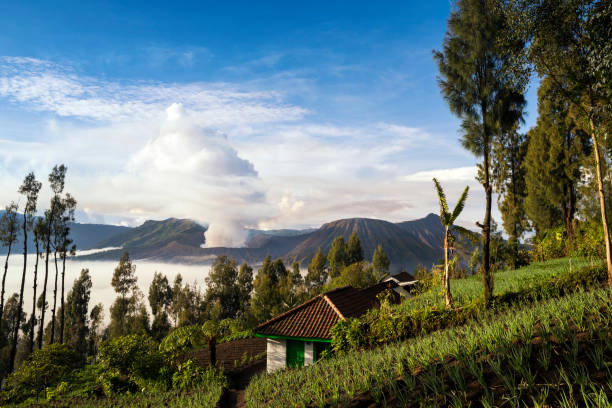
{"x":448,"y":218}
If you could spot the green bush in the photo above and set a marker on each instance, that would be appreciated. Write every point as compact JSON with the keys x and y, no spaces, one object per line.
{"x":589,"y":241}
{"x":42,"y":369}
{"x":552,"y":245}
{"x":190,"y":375}
{"x":182,"y":340}
{"x":129,"y":362}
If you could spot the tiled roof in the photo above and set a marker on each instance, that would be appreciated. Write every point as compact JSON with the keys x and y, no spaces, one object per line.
{"x":316,"y":317}
{"x":403,"y":277}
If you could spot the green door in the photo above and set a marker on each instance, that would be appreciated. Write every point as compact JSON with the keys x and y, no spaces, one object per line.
{"x":295,"y":353}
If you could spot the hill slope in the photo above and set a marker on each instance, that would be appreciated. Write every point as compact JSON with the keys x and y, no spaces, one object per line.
{"x":406,"y":244}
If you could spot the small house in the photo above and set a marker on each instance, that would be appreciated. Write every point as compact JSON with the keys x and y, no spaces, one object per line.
{"x":299,"y":336}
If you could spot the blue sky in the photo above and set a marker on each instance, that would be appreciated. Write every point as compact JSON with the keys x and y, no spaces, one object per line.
{"x":269,"y":115}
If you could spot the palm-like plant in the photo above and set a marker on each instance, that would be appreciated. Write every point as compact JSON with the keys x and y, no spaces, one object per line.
{"x":447,"y":218}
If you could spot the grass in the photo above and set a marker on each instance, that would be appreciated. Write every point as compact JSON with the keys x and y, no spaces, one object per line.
{"x":206,"y":397}
{"x":468,"y":289}
{"x":552,"y":353}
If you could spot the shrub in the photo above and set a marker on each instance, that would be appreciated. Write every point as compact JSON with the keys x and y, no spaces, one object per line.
{"x":182,"y":340}
{"x":190,"y":375}
{"x":42,"y":369}
{"x":129,"y":362}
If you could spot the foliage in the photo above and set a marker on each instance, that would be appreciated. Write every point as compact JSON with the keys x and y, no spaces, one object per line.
{"x":190,"y":375}
{"x":317,"y":273}
{"x":380,"y":261}
{"x":358,"y":275}
{"x":43,"y":368}
{"x":134,"y":357}
{"x":552,"y":244}
{"x":76,"y":307}
{"x":337,"y":257}
{"x":224,"y":294}
{"x":354,"y":251}
{"x":275,"y":289}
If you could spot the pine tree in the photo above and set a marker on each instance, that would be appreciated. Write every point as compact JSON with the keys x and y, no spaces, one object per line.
{"x":354,"y":252}
{"x":317,"y":273}
{"x":30,"y":188}
{"x":380,"y":262}
{"x":554,"y":160}
{"x":483,"y":85}
{"x":96,"y":316}
{"x":267,"y":299}
{"x":337,"y":258}
{"x":510,"y":151}
{"x":569,"y":43}
{"x":222,"y":288}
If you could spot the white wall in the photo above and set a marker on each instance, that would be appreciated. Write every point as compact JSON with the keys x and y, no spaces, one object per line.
{"x":308,"y":352}
{"x":276,"y":354}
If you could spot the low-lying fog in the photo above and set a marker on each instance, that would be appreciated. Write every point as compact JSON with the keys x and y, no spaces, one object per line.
{"x":101,"y":274}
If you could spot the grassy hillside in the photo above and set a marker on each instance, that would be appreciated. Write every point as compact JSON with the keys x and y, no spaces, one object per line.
{"x":552,"y":353}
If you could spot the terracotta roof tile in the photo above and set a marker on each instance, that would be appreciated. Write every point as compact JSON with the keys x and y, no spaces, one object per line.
{"x":316,"y":317}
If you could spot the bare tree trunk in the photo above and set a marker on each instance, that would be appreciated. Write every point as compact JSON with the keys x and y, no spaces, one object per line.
{"x":487,"y":279}
{"x":3,"y":284}
{"x":61,"y":328}
{"x":54,"y":300}
{"x":19,"y":308}
{"x":31,"y":345}
{"x":446,"y":283}
{"x":602,"y":200}
{"x":212,"y":349}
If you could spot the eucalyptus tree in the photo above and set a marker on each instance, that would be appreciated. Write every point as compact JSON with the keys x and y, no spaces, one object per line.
{"x":569,"y":43}
{"x":30,"y":188}
{"x":67,"y":247}
{"x":57,"y":179}
{"x":482,"y":80}
{"x":447,"y":219}
{"x":38,"y":231}
{"x":8,"y":235}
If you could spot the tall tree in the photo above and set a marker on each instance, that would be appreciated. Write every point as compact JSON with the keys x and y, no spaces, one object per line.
{"x":569,"y":45}
{"x":317,"y":273}
{"x":30,"y":188}
{"x":354,"y":251}
{"x":39,"y":228}
{"x":160,"y":296}
{"x":11,"y":321}
{"x":510,"y":151}
{"x":245,"y":285}
{"x":336,"y":258}
{"x":124,"y":282}
{"x":267,"y":299}
{"x":8,"y":235}
{"x":77,"y":305}
{"x":554,"y":161}
{"x":57,"y":179}
{"x":448,"y":218}
{"x":67,"y":246}
{"x":96,"y":316}
{"x":223,"y":292}
{"x":483,"y":85}
{"x":380,"y":262}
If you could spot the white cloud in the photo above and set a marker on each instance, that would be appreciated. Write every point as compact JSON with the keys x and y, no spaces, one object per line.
{"x":225,"y":154}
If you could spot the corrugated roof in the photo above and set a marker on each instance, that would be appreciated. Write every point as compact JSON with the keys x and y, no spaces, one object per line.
{"x":403,"y":277}
{"x":316,"y":317}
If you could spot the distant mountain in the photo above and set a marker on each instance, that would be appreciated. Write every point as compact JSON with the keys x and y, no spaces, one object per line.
{"x":407,"y":243}
{"x":154,"y":239}
{"x":85,"y":236}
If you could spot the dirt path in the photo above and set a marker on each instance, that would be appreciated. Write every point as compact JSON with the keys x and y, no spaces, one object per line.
{"x":234,"y":396}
